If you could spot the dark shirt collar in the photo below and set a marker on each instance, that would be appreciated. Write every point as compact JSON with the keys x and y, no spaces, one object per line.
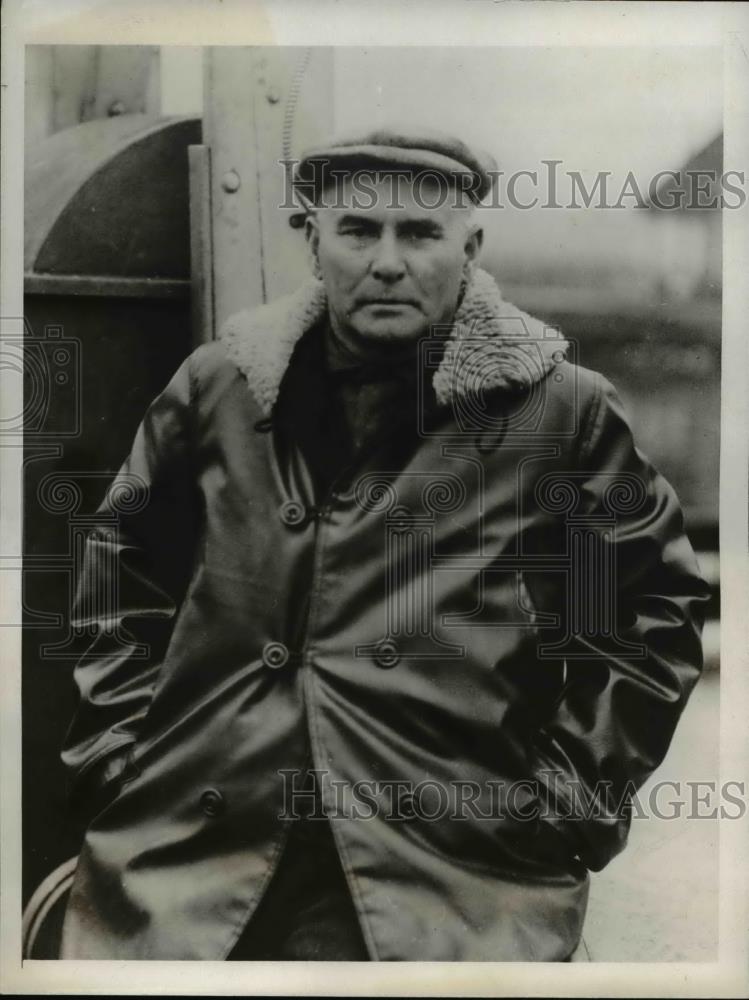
{"x":391,"y":363}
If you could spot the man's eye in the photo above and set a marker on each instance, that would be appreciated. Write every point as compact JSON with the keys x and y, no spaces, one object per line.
{"x":422,"y":233}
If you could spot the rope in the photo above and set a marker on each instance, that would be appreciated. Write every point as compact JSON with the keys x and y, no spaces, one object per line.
{"x":292,"y":98}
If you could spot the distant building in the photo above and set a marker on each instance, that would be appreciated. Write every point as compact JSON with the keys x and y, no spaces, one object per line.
{"x":690,"y":234}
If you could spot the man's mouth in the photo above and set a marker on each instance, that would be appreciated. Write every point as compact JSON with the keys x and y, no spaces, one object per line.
{"x":385,"y":303}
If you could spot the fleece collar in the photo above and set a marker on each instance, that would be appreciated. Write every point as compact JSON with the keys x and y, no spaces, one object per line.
{"x":491,"y":345}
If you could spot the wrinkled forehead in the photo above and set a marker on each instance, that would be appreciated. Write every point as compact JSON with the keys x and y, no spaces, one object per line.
{"x":388,"y":194}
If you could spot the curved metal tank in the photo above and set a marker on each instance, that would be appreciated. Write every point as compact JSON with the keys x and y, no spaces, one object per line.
{"x":107,"y":310}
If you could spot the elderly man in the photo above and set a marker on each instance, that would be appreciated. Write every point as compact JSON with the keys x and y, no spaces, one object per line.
{"x":394,"y":617}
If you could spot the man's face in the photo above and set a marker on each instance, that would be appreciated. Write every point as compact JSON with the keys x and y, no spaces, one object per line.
{"x":393,"y":270}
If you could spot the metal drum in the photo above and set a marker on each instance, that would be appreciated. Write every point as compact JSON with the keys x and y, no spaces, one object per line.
{"x":107,"y":311}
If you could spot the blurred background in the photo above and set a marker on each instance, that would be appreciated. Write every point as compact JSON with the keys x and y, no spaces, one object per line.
{"x":151,"y":200}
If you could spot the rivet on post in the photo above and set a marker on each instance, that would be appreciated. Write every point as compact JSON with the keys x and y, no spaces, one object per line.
{"x":231,"y":181}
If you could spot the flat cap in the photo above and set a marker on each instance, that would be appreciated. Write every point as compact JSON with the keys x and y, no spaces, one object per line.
{"x":399,"y":149}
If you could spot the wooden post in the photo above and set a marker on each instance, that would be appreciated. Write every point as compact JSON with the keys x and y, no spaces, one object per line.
{"x":201,"y":246}
{"x":262,"y":106}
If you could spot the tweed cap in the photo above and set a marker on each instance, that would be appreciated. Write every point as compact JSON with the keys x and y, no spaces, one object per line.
{"x":399,"y":149}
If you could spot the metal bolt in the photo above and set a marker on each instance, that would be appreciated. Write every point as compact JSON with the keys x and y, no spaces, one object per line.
{"x":231,"y":181}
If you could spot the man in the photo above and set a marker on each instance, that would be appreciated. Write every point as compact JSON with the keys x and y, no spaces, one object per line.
{"x":399,"y":616}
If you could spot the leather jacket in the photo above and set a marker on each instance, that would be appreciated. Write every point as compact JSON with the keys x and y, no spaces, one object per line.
{"x":487,"y":619}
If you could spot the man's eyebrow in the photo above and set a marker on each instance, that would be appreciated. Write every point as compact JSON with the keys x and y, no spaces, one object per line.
{"x":421,"y":226}
{"x":356,"y":220}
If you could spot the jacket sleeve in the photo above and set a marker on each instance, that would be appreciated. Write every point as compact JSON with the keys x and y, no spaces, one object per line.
{"x":627,"y":679}
{"x":134,"y":572}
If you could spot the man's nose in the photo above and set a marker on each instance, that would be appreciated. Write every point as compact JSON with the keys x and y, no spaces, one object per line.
{"x":388,"y":264}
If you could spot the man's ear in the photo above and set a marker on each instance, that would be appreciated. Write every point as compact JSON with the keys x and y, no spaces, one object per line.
{"x":312,"y":236}
{"x":472,"y":249}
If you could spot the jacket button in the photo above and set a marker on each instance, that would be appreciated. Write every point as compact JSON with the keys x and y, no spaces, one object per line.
{"x":386,"y":654}
{"x":293,"y":514}
{"x":275,"y":655}
{"x":212,"y":802}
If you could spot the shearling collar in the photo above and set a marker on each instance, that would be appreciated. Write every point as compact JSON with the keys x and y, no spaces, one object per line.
{"x":492,"y":344}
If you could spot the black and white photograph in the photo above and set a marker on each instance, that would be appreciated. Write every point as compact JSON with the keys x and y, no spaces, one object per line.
{"x":375,"y":424}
